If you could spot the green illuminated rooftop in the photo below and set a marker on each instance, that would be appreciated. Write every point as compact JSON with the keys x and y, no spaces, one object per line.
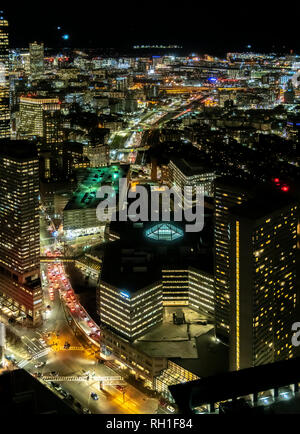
{"x":85,"y":194}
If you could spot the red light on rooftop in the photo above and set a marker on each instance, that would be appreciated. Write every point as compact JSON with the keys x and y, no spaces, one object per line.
{"x":285,"y":188}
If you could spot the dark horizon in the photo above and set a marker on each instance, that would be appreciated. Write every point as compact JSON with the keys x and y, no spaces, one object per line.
{"x":202,"y":30}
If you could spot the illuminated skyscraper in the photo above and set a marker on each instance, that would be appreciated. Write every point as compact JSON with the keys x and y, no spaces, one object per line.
{"x":37,"y":118}
{"x":20,"y":288}
{"x":262,"y":281}
{"x":36,"y":58}
{"x":228,"y":193}
{"x":4,"y":79}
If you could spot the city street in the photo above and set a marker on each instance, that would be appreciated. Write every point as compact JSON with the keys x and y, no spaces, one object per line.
{"x":44,"y":345}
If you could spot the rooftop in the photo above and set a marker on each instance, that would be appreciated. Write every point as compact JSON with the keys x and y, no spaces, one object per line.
{"x":235,"y":184}
{"x":190,"y":167}
{"x":262,"y":206}
{"x":136,"y":260}
{"x":92,"y":179}
{"x":21,"y":393}
{"x":18,"y":149}
{"x":236,"y":384}
{"x":169,"y":340}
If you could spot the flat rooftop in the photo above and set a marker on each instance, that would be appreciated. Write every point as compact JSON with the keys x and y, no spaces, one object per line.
{"x":262,"y":206}
{"x":236,"y":184}
{"x":191,"y":167}
{"x":18,"y":149}
{"x":171,"y":340}
{"x":234,"y":384}
{"x":85,"y":195}
{"x":213,"y":356}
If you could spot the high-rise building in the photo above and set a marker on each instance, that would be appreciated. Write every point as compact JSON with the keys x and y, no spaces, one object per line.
{"x":36,"y":58}
{"x":52,"y":128}
{"x":39,"y":118}
{"x":228,"y":193}
{"x":263,"y":236}
{"x":20,"y":288}
{"x":4,"y":79}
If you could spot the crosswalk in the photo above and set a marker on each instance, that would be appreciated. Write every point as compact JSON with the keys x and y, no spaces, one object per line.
{"x":41,"y":353}
{"x":61,"y":348}
{"x":106,"y":380}
{"x":23,"y":363}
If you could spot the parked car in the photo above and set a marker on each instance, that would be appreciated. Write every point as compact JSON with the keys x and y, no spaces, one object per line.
{"x":63,"y":393}
{"x":56,"y":386}
{"x":94,"y":396}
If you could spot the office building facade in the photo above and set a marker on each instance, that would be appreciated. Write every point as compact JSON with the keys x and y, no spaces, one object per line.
{"x":175,"y":286}
{"x":227,"y":195}
{"x":188,"y":286}
{"x":183,"y":173}
{"x":130,"y":314}
{"x":201,"y":292}
{"x":262,"y":284}
{"x":36,"y":52}
{"x":35,"y":119}
{"x":4,"y":79}
{"x":20,"y":286}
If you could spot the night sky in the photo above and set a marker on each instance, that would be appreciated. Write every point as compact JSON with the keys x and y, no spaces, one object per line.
{"x":205,"y":27}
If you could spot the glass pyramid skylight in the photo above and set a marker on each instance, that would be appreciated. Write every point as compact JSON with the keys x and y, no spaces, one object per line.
{"x":164,"y":232}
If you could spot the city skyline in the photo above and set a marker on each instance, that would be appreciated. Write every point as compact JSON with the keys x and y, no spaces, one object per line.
{"x":149,"y":213}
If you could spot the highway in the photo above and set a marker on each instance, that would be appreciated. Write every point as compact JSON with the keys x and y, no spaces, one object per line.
{"x":136,"y":136}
